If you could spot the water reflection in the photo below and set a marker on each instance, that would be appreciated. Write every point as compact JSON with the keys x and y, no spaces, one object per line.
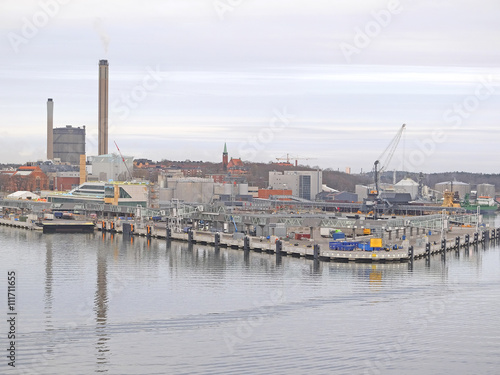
{"x":101,"y":309}
{"x":48,"y":298}
{"x":316,"y":267}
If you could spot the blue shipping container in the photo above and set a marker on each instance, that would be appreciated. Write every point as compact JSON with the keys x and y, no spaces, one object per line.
{"x":343,"y":246}
{"x":338,"y":236}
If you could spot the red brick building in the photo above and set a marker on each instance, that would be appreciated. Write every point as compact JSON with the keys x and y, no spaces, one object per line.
{"x":66,"y":180}
{"x":27,"y":178}
{"x":236,"y":167}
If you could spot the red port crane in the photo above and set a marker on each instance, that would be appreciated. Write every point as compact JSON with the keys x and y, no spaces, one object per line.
{"x":123,"y":159}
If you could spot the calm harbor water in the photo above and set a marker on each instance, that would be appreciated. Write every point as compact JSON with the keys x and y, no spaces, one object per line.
{"x":94,"y":303}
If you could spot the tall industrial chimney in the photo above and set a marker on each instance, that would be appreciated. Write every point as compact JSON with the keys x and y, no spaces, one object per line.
{"x":103,"y":108}
{"x":50,"y":129}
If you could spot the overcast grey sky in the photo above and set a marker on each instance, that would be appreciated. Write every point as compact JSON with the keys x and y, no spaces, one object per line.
{"x":332,"y":81}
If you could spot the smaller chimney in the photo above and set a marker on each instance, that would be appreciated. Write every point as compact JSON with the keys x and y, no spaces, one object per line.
{"x":50,"y":129}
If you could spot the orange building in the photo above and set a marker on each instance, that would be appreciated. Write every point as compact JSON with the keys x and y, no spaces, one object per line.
{"x":266,"y":193}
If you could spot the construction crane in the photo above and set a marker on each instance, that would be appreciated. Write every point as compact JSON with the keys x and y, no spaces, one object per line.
{"x":123,"y":159}
{"x":287,"y":160}
{"x":385,"y":158}
{"x":380,"y":164}
{"x":290,"y":158}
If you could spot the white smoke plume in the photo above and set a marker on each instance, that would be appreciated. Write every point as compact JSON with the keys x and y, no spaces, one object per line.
{"x":99,"y":29}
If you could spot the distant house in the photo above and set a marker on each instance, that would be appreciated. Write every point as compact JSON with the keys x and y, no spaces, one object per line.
{"x":236,"y":167}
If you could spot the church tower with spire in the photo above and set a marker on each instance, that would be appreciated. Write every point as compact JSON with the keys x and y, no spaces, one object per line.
{"x":225,"y":160}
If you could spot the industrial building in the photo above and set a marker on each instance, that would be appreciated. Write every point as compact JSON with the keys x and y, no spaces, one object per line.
{"x":69,"y":144}
{"x":304,"y":184}
{"x":486,"y":190}
{"x":362,"y":191}
{"x":407,"y":185}
{"x":192,"y":190}
{"x":199,"y":190}
{"x":456,"y":186}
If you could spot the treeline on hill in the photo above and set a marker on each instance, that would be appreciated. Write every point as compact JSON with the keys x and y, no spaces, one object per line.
{"x":258,"y":175}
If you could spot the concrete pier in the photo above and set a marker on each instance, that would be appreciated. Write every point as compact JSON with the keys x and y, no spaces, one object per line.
{"x":457,"y":238}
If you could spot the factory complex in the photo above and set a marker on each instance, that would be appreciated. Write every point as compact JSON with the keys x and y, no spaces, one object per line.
{"x":284,"y":201}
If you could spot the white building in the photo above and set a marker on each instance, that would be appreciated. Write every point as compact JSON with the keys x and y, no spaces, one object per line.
{"x":304,"y":184}
{"x":190,"y":189}
{"x":407,"y":185}
{"x":362,"y":191}
{"x":23,"y":195}
{"x":198,"y":190}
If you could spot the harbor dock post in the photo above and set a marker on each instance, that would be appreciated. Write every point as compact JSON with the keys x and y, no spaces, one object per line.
{"x":316,"y":252}
{"x":411,"y":254}
{"x":190,"y":236}
{"x":457,"y":242}
{"x":126,"y":230}
{"x":148,"y":231}
{"x":279,"y":247}
{"x":246,"y":243}
{"x":467,"y":240}
{"x":443,"y":245}
{"x":428,"y":250}
{"x":216,"y":239}
{"x":168,"y":235}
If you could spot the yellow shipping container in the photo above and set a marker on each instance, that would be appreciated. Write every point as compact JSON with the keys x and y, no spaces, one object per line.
{"x":376,"y":242}
{"x":367,"y":231}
